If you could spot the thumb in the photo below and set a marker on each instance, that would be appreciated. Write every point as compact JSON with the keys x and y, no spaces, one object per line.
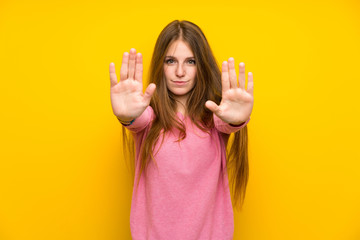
{"x":149,"y":92}
{"x":212,"y":107}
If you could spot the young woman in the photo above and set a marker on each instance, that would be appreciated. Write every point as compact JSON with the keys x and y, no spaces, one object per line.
{"x":181,"y":127}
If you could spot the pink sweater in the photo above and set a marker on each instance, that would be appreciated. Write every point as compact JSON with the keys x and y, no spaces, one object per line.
{"x":186,"y":197}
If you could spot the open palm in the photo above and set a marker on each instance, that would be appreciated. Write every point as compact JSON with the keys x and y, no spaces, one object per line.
{"x":237,"y":103}
{"x":127,"y":99}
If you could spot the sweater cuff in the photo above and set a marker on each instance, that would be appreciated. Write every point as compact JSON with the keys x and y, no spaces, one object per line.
{"x":224,"y":127}
{"x":142,"y":121}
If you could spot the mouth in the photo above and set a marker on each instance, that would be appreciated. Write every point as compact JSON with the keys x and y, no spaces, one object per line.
{"x":180,"y":82}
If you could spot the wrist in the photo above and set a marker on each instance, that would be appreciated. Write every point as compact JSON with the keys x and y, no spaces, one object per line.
{"x":238,"y":124}
{"x":125,"y":122}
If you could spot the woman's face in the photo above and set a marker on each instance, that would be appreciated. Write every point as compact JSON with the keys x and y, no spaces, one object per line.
{"x":180,"y":70}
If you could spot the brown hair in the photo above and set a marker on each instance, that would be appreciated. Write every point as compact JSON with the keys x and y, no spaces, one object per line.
{"x":207,"y":87}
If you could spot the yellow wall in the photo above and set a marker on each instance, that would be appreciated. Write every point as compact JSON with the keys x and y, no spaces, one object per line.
{"x":62,"y":175}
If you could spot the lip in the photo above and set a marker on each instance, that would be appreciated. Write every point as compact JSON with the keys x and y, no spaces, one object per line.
{"x":180,"y":83}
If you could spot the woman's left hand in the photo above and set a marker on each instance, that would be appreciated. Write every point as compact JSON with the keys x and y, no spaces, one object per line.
{"x":237,"y":103}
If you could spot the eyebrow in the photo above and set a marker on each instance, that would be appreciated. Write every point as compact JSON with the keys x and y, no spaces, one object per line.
{"x":176,"y":58}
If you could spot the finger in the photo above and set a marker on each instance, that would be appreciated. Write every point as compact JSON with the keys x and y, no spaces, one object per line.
{"x":138,"y":68}
{"x":149,"y":92}
{"x":113,"y":78}
{"x":242,"y":75}
{"x":225,"y":77}
{"x":232,"y":73}
{"x":212,"y":107}
{"x":250,"y":85}
{"x":124,"y":66}
{"x":132,"y":63}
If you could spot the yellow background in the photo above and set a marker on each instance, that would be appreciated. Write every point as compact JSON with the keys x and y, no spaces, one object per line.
{"x":62,"y":174}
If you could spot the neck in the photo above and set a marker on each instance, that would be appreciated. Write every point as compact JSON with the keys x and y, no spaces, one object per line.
{"x":181,"y":104}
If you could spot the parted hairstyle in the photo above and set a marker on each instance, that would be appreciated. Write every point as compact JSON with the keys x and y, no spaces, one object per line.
{"x":207,"y":87}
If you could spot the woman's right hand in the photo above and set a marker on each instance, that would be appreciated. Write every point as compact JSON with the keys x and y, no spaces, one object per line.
{"x":127,"y":99}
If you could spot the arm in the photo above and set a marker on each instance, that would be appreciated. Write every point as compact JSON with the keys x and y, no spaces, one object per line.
{"x":236,"y":104}
{"x":140,"y":122}
{"x":127,"y":98}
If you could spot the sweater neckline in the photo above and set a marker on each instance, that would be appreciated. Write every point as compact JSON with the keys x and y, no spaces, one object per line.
{"x":180,"y":115}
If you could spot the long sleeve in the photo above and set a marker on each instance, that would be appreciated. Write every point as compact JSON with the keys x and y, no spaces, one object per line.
{"x":224,"y":127}
{"x":142,"y":121}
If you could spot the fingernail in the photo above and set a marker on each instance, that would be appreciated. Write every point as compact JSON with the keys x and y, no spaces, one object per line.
{"x":242,"y":64}
{"x":231,"y":59}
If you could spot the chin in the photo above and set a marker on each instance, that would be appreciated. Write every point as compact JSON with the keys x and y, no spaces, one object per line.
{"x":180,"y":93}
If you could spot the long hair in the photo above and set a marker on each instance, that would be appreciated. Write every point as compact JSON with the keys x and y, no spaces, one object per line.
{"x":207,"y":87}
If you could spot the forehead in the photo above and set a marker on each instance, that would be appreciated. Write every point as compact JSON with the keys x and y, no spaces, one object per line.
{"x":180,"y":49}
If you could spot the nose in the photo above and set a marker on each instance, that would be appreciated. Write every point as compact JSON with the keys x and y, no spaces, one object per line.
{"x":180,"y":71}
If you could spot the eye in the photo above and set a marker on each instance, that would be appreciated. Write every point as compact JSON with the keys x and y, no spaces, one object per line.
{"x":169,"y":61}
{"x":192,"y":61}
